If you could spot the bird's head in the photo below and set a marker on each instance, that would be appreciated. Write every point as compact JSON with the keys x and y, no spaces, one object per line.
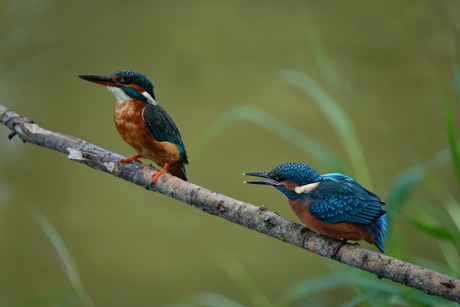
{"x":125,"y":85}
{"x":291,"y":179}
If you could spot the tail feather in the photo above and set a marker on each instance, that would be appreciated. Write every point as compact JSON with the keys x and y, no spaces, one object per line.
{"x":178,"y":170}
{"x":378,"y":228}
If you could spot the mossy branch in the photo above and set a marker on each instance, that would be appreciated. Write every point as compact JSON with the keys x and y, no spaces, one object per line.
{"x":241,"y":213}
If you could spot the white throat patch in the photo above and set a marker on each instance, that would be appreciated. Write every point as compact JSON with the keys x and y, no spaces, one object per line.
{"x":120,"y":96}
{"x":304,"y":189}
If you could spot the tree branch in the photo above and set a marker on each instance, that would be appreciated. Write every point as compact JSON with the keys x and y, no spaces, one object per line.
{"x":244,"y":214}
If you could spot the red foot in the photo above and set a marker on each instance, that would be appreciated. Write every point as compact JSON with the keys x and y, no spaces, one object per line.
{"x":157,"y":175}
{"x":134,"y":158}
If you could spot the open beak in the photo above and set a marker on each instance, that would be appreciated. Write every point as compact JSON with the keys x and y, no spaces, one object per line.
{"x":269,"y":182}
{"x":102,"y":80}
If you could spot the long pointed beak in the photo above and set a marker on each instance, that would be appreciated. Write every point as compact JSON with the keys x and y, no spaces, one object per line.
{"x":102,"y":80}
{"x":263,"y":175}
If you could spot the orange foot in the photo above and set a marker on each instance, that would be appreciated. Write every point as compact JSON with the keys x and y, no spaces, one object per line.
{"x":134,"y":158}
{"x":164,"y":170}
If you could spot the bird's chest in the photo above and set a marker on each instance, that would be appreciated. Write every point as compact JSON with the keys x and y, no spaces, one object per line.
{"x":300,"y":209}
{"x":129,"y":122}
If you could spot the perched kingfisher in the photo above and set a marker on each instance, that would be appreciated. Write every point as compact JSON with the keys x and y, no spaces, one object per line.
{"x":333,"y":204}
{"x":143,"y":124}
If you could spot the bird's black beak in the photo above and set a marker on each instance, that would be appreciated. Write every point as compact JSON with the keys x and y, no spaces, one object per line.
{"x":102,"y":80}
{"x":263,"y":175}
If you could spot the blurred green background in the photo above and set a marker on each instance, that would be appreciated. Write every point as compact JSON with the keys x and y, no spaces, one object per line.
{"x":250,"y":84}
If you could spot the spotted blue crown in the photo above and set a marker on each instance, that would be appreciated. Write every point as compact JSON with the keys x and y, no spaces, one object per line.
{"x":298,"y":173}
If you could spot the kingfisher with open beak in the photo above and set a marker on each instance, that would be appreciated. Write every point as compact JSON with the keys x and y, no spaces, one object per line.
{"x":333,"y":204}
{"x":143,"y":123}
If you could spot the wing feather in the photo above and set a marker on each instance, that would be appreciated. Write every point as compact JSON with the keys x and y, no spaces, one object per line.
{"x":162,"y":128}
{"x":340,"y":199}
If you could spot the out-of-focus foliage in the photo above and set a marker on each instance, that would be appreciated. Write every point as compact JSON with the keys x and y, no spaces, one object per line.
{"x":365,"y":89}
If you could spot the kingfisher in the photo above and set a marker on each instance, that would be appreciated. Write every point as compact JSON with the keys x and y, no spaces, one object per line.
{"x":333,"y":204}
{"x":143,"y":123}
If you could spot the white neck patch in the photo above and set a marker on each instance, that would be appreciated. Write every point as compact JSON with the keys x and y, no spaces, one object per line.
{"x":149,"y":98}
{"x":120,"y":96}
{"x":304,"y":189}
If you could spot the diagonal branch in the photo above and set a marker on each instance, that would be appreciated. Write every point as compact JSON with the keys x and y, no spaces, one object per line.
{"x":244,"y":214}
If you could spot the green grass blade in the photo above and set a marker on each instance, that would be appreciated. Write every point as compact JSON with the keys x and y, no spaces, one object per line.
{"x":52,"y":298}
{"x":403,"y":186}
{"x":450,"y":253}
{"x":360,"y":299}
{"x":453,"y":60}
{"x":457,"y":78}
{"x":322,"y":58}
{"x":208,"y":299}
{"x":453,"y":208}
{"x":442,"y":233}
{"x":313,"y":286}
{"x":64,"y":256}
{"x":246,"y":283}
{"x":337,"y":118}
{"x":271,"y":123}
{"x":452,"y":140}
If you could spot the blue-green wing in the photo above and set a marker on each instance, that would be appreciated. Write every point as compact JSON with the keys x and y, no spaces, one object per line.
{"x":162,"y":128}
{"x":339,"y":198}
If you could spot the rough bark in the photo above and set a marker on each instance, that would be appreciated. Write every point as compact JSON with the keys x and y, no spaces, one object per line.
{"x":244,"y":214}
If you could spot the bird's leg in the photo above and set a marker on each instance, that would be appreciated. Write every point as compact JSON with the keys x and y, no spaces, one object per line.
{"x":130,"y":159}
{"x":164,"y":170}
{"x":336,"y":249}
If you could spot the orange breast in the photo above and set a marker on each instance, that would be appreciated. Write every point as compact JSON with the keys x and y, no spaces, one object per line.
{"x":340,"y":230}
{"x":131,"y":127}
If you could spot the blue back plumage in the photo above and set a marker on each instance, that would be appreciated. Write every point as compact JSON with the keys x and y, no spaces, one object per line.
{"x":337,"y":198}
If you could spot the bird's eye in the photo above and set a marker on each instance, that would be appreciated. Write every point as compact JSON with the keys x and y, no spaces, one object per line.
{"x":278,"y":178}
{"x":125,"y":80}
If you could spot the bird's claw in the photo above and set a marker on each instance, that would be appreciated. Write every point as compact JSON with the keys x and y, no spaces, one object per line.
{"x":131,"y":159}
{"x":336,"y":249}
{"x":157,"y":175}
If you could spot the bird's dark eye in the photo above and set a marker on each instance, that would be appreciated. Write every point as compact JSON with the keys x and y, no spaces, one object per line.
{"x":278,"y":178}
{"x":125,"y":80}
